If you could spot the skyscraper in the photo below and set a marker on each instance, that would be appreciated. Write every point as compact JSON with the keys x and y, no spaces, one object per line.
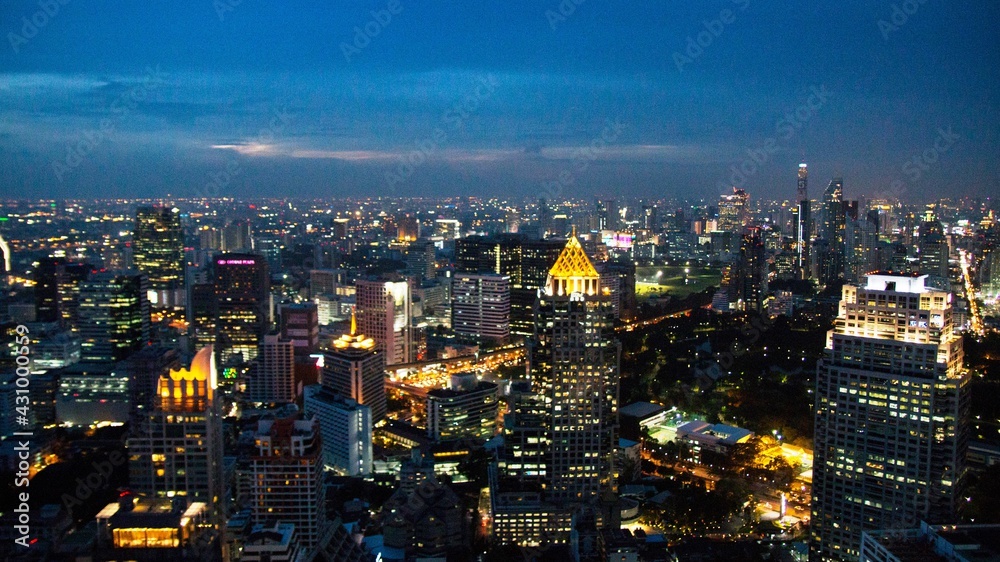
{"x":300,"y":325}
{"x":354,"y":368}
{"x":558,"y":455}
{"x":933,"y":250}
{"x":466,"y":409}
{"x":480,"y":306}
{"x":346,"y":428}
{"x":288,"y":478}
{"x":113,"y":315}
{"x":750,"y":274}
{"x":802,"y":222}
{"x":734,"y":212}
{"x":834,"y":231}
{"x":385,"y":313}
{"x":892,"y":408}
{"x":158,"y":251}
{"x":242,"y":291}
{"x":6,"y":257}
{"x":57,"y":291}
{"x":176,"y":449}
{"x":272,"y":379}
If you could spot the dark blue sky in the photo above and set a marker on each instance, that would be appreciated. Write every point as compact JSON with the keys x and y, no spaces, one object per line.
{"x":283,"y":98}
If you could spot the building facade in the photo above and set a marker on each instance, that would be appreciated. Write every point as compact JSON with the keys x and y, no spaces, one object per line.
{"x":385,"y":313}
{"x":176,"y":449}
{"x":480,"y":306}
{"x":560,"y":437}
{"x":892,"y":408}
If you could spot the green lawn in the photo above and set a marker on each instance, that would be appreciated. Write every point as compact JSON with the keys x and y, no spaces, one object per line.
{"x":674,"y":280}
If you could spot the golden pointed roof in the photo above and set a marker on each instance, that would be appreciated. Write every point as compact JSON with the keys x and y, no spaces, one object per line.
{"x":573,"y":262}
{"x":354,"y":340}
{"x":202,"y":368}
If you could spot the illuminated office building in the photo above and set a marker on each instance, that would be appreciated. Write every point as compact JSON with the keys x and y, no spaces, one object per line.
{"x":802,"y":223}
{"x":288,"y":478}
{"x":385,"y":313}
{"x":113,"y":312}
{"x":734,"y":212}
{"x":158,"y":251}
{"x":272,"y":379}
{"x":242,"y":294}
{"x":346,"y":428}
{"x":354,"y":368}
{"x":176,"y":450}
{"x":892,"y":407}
{"x":559,"y":438}
{"x":57,"y":291}
{"x":468,"y":408}
{"x":480,"y":307}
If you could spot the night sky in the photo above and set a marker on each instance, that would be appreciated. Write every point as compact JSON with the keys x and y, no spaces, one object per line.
{"x":584,"y":97}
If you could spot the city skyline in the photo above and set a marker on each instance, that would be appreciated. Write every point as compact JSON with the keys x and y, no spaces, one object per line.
{"x":582,"y":98}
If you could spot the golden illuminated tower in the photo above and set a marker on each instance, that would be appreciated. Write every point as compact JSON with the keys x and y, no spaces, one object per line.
{"x":354,"y":368}
{"x":176,"y":450}
{"x":560,"y":437}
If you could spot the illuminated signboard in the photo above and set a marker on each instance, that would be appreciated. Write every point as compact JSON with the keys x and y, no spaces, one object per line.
{"x":237,"y":262}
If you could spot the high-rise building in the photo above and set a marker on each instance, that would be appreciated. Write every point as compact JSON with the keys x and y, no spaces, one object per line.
{"x":113,"y":315}
{"x":933,"y":250}
{"x":468,"y":408}
{"x":607,"y":214}
{"x":237,"y":237}
{"x":385,"y":313}
{"x":6,"y":258}
{"x":272,"y":379}
{"x":408,"y":228}
{"x":536,"y":259}
{"x":176,"y":449}
{"x":750,"y":274}
{"x":57,"y":291}
{"x":833,"y":232}
{"x":560,"y":438}
{"x":449,"y":229}
{"x":734,"y":212}
{"x":158,"y":251}
{"x":346,"y":427}
{"x":324,"y":281}
{"x":480,"y":306}
{"x":300,"y":325}
{"x":242,"y":300}
{"x":892,"y":415}
{"x":144,"y":370}
{"x":802,"y":223}
{"x":650,"y":218}
{"x":288,"y":476}
{"x":353,"y":367}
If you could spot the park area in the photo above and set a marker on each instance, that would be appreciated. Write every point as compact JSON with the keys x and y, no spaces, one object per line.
{"x":677,"y":281}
